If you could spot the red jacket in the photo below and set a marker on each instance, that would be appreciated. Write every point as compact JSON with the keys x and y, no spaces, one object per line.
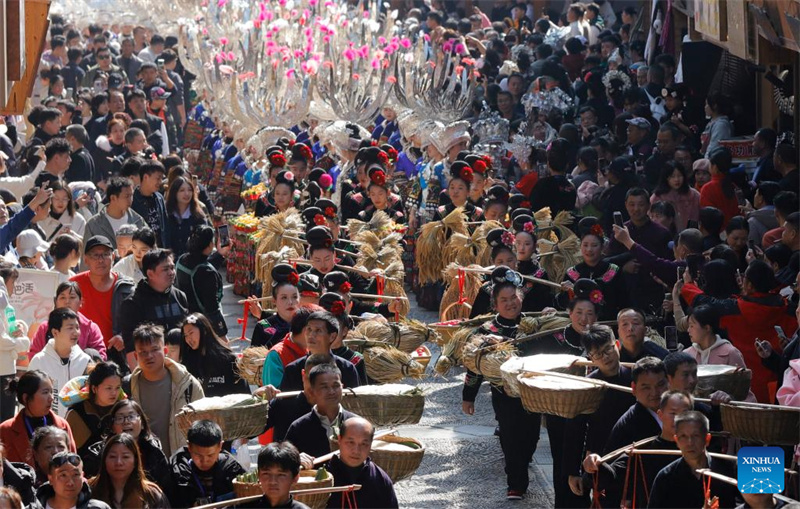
{"x":14,"y":436}
{"x":746,"y":318}
{"x":712,"y":196}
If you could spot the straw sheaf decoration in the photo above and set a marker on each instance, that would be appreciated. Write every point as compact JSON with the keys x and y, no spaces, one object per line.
{"x":483,"y":250}
{"x":386,"y":364}
{"x":567,"y":254}
{"x":393,"y":285}
{"x":277,"y":227}
{"x":265,"y":263}
{"x":465,"y":249}
{"x":251,"y":363}
{"x":484,"y":355}
{"x":471,"y":287}
{"x":380,"y":224}
{"x":532,"y":325}
{"x":453,"y":350}
{"x":430,"y":257}
{"x":406,"y":336}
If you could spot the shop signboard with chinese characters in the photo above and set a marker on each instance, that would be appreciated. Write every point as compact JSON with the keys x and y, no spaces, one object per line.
{"x":32,"y":298}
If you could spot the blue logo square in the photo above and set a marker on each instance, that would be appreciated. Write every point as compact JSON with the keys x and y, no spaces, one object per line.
{"x":760,"y":469}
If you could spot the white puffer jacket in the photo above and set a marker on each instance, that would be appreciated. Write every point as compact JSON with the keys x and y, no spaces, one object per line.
{"x":49,"y":361}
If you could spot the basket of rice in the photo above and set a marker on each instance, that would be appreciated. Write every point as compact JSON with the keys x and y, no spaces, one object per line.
{"x":251,"y":363}
{"x":446,"y":329}
{"x":717,"y":377}
{"x":771,"y":425}
{"x":560,"y":363}
{"x":399,"y":457}
{"x":385,"y":405}
{"x":248,"y":485}
{"x":556,"y":395}
{"x":239,"y":415}
{"x":484,"y":355}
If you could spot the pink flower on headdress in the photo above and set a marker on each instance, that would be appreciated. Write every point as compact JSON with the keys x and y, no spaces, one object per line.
{"x":382,"y":40}
{"x":596,"y":296}
{"x":529,"y":227}
{"x":404,"y":42}
{"x":460,"y":48}
{"x":448,"y":46}
{"x":364,"y":51}
{"x":507,"y":238}
{"x":290,"y":73}
{"x":349,"y":54}
{"x":223,"y":40}
{"x":231,"y":56}
{"x":376,"y":63}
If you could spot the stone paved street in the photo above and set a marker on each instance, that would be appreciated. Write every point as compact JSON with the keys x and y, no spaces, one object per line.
{"x":463,"y":464}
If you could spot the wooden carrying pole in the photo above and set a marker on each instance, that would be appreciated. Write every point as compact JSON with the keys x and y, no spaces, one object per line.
{"x":330,"y":455}
{"x":312,"y":491}
{"x":526,"y":278}
{"x":363,"y":273}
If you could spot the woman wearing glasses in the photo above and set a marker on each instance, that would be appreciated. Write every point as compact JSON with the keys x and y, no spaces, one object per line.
{"x":85,"y":418}
{"x":127,"y":416}
{"x":35,"y":393}
{"x":122,"y":482}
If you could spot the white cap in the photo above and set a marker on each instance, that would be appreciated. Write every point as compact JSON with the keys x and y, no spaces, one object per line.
{"x":29,"y":243}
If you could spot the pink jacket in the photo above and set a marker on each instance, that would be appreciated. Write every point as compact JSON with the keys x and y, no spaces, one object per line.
{"x":687,"y":206}
{"x":91,"y":337}
{"x":722,"y":352}
{"x":789,"y":393}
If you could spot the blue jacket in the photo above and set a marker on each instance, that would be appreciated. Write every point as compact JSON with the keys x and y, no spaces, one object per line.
{"x":10,"y":230}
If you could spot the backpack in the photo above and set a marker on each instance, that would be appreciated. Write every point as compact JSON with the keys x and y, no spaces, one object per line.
{"x":191,"y":272}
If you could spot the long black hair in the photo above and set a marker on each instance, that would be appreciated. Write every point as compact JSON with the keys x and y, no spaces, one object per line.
{"x":210,"y":350}
{"x":663,"y":178}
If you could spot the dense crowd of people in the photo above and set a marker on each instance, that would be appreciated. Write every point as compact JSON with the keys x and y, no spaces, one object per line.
{"x":119,"y":176}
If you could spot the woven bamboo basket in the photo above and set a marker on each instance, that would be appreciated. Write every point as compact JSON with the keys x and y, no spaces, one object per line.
{"x":388,"y":409}
{"x":251,"y":364}
{"x":398,"y":465}
{"x":445,"y":330}
{"x":559,"y":396}
{"x":560,"y":363}
{"x":305,"y":482}
{"x":773,"y":426}
{"x":734,"y":381}
{"x":242,"y":421}
{"x":422,"y":355}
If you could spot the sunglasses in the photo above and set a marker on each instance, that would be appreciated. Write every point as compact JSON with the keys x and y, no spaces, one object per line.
{"x":59,"y":460}
{"x":103,"y":57}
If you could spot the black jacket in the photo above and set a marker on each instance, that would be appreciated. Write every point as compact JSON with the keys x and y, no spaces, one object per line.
{"x":690,"y":492}
{"x":284,"y":412}
{"x":178,"y":231}
{"x":263,"y":503}
{"x":293,"y":374}
{"x":377,"y":489}
{"x":309,"y":435}
{"x":204,"y":289}
{"x":81,"y":169}
{"x":218,"y":376}
{"x":154,"y":462}
{"x":22,"y":477}
{"x":153,"y":210}
{"x":635,"y":424}
{"x":556,"y":192}
{"x":270,"y":330}
{"x":614,"y":475}
{"x":185,"y":478}
{"x":167,"y":309}
{"x":85,"y":500}
{"x":596,"y":427}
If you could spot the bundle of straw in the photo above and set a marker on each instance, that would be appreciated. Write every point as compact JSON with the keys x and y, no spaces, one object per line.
{"x":386,"y":364}
{"x":433,"y":236}
{"x":483,"y":252}
{"x":567,"y":254}
{"x":453,"y":350}
{"x":277,"y":228}
{"x":251,"y":363}
{"x":406,"y":336}
{"x":532,"y":325}
{"x":380,"y":223}
{"x":265,"y":263}
{"x":484,"y":355}
{"x":561,"y":223}
{"x":471,"y":287}
{"x":393,"y":286}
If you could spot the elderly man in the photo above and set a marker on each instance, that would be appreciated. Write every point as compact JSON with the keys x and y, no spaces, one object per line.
{"x":635,"y":346}
{"x":354,"y":466}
